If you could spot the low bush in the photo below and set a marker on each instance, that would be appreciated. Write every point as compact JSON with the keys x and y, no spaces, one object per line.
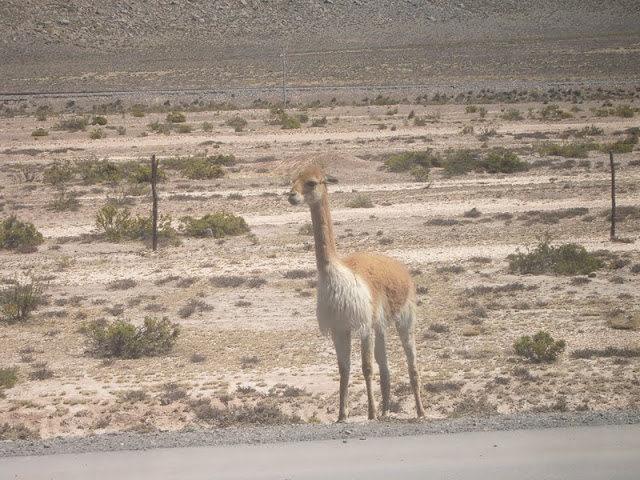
{"x":512,"y":114}
{"x":554,"y":112}
{"x":117,"y":225}
{"x":568,"y":259}
{"x":460,"y":161}
{"x":97,"y":134}
{"x":176,"y":117}
{"x":217,"y":225}
{"x":72,"y":124}
{"x":59,"y":173}
{"x":17,"y":432}
{"x":228,"y":281}
{"x":319,"y":122}
{"x":360,"y":201}
{"x":94,"y":171}
{"x":22,"y":237}
{"x":406,"y":161}
{"x":238,"y":123}
{"x":263,"y":413}
{"x":64,"y":200}
{"x":278,"y":116}
{"x":122,"y":339}
{"x":40,"y":132}
{"x":19,"y":299}
{"x":159,"y":127}
{"x":567,"y":150}
{"x":539,"y":348}
{"x":503,"y":161}
{"x":8,"y":377}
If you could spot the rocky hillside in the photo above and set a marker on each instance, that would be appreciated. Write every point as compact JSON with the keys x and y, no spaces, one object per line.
{"x":100,"y":45}
{"x":124,"y":24}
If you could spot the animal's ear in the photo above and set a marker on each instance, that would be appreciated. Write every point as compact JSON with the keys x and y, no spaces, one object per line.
{"x":330,"y":179}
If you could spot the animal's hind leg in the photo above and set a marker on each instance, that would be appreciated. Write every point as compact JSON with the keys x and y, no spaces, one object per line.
{"x":342,"y":344}
{"x":408,"y":338}
{"x":385,"y":377}
{"x":367,"y":370}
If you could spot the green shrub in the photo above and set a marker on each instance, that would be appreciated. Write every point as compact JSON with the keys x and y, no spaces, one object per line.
{"x":405,"y":161}
{"x":319,"y":122}
{"x":19,"y":236}
{"x":72,"y":124}
{"x":114,"y":222}
{"x":184,"y":128}
{"x":207,"y":127}
{"x":238,"y":123}
{"x":280,"y":117}
{"x":625,"y":111}
{"x":117,"y":225}
{"x":122,"y":339}
{"x":541,"y":348}
{"x":203,"y":170}
{"x":503,"y":161}
{"x":59,"y":173}
{"x":220,"y":159}
{"x":512,"y":114}
{"x":621,"y":146}
{"x":97,"y":134}
{"x":289,"y":123}
{"x":176,"y":117}
{"x":99,"y":120}
{"x":19,"y":299}
{"x":568,"y":150}
{"x":220,"y":224}
{"x":39,"y":132}
{"x":8,"y":377}
{"x":99,"y":171}
{"x":139,"y":173}
{"x":568,"y":259}
{"x":64,"y":200}
{"x":159,"y":127}
{"x":460,"y":161}
{"x":554,"y":112}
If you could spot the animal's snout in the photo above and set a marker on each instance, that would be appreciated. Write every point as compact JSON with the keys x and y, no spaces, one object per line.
{"x":294,"y":198}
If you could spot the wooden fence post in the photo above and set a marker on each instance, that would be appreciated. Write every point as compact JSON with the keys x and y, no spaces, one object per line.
{"x":154,"y":193}
{"x":612,"y":235}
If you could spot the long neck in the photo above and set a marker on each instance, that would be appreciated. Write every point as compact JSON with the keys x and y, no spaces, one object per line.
{"x":326,"y":251}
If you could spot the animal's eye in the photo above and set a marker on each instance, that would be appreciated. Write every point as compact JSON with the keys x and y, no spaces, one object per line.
{"x":312,"y":183}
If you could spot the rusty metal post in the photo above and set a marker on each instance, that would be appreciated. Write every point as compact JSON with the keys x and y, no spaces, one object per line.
{"x":154,"y":193}
{"x":612,"y":235}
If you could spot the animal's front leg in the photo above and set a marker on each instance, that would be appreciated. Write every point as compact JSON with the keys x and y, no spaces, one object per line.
{"x":342,"y":344}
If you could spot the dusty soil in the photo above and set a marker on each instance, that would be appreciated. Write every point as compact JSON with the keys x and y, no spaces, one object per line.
{"x":261,"y":344}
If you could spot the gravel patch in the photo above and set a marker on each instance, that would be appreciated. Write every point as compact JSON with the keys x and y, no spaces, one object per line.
{"x":311,"y":432}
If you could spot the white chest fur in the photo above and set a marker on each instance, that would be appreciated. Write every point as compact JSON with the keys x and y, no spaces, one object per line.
{"x":344,"y":300}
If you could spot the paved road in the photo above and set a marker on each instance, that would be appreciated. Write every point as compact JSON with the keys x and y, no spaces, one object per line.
{"x":603,"y":452}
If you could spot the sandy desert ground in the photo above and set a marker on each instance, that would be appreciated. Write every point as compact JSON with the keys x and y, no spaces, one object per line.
{"x":257,"y":343}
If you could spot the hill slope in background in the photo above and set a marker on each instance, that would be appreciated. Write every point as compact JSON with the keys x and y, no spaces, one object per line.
{"x":52,"y":45}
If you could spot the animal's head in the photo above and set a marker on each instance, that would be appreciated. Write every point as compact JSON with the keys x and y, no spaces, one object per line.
{"x":310,"y":186}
